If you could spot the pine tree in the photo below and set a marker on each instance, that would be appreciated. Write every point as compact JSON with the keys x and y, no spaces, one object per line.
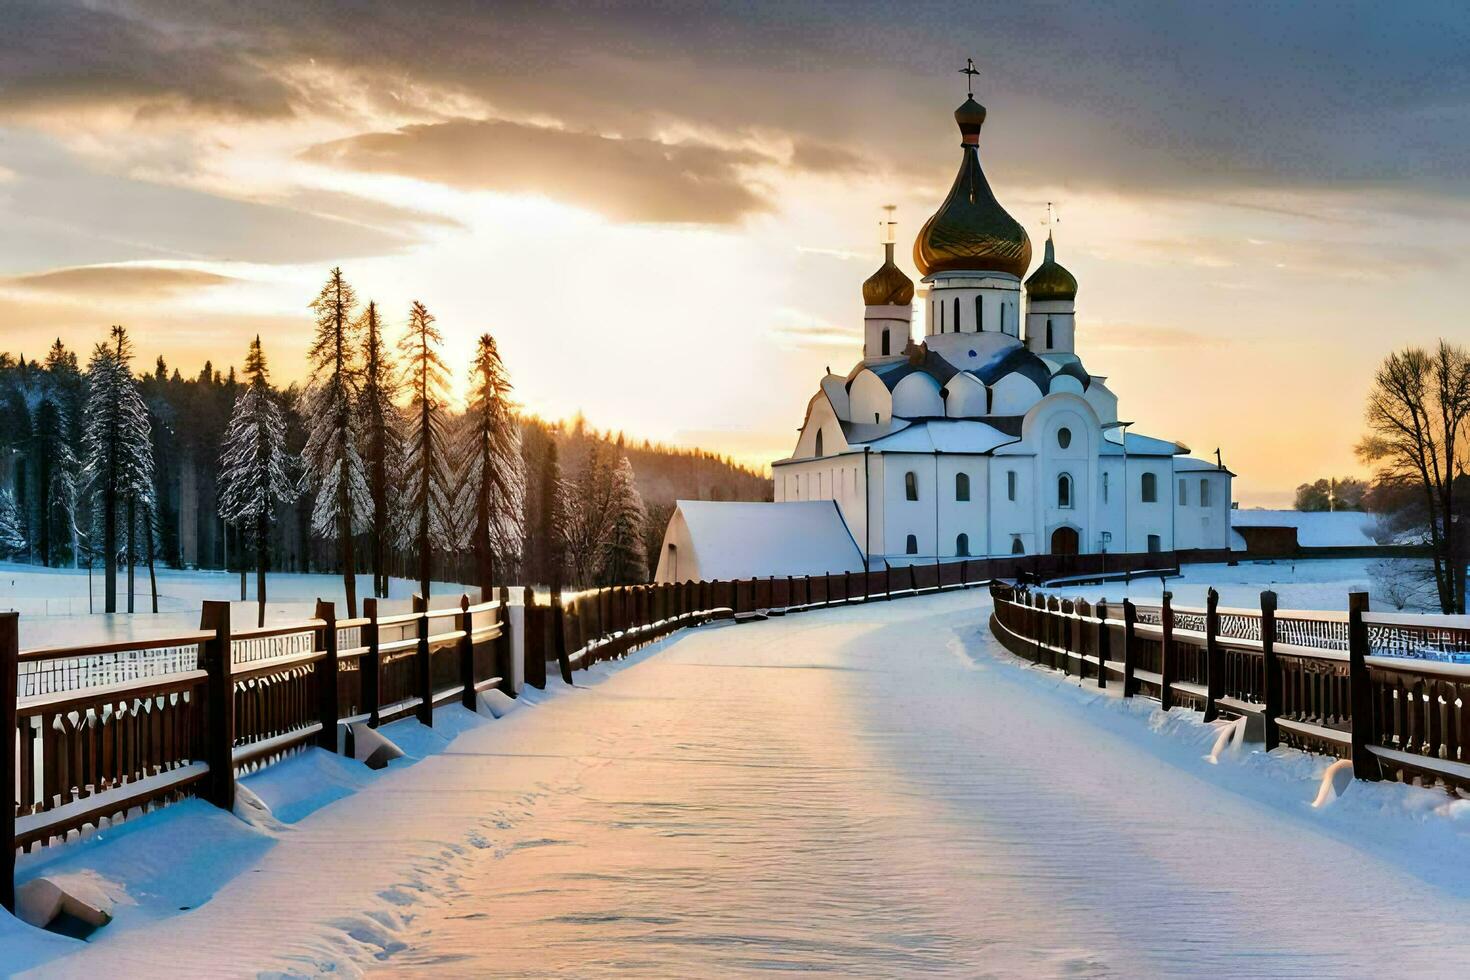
{"x":623,"y":556}
{"x":382,"y":440}
{"x":334,"y":469}
{"x":12,"y":533}
{"x":587,"y":508}
{"x":255,"y":472}
{"x":551,"y":517}
{"x":117,"y":449}
{"x":490,"y":511}
{"x":428,"y":476}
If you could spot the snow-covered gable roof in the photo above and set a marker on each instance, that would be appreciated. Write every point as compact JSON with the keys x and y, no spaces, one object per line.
{"x":957,"y":436}
{"x":737,"y":539}
{"x":1314,"y":529}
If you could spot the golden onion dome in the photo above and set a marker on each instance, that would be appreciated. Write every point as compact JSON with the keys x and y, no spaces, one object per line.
{"x":1051,"y":281}
{"x":971,"y":232}
{"x":889,"y":286}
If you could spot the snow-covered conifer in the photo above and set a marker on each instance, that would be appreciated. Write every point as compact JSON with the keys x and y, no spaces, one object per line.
{"x":117,"y":449}
{"x":255,"y":470}
{"x":624,"y":559}
{"x":491,"y":507}
{"x":333,"y":465}
{"x":12,"y":532}
{"x":428,"y":475}
{"x":382,"y":440}
{"x":586,"y":505}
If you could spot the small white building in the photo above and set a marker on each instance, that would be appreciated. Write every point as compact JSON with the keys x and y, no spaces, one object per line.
{"x":989,"y":436}
{"x":724,"y":540}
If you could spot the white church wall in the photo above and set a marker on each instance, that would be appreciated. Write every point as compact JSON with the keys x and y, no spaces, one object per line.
{"x":917,"y":396}
{"x":869,"y":399}
{"x":1108,"y":491}
{"x":1063,"y":327}
{"x":998,"y":311}
{"x":1104,"y":403}
{"x":1013,"y":394}
{"x":1202,"y":519}
{"x":904,"y":517}
{"x":1058,"y":419}
{"x":956,"y":516}
{"x":1150,"y":518}
{"x":834,"y":386}
{"x":967,"y":398}
{"x":895,"y":320}
{"x":1012,"y":486}
{"x":821,"y":417}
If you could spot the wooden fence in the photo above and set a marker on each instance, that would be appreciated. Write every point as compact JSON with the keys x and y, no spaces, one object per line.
{"x":1390,"y":691}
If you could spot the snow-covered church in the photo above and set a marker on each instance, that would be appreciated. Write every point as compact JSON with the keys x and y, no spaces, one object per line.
{"x":989,"y":436}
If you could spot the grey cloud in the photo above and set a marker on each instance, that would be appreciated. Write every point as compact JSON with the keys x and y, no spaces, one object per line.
{"x":116,"y":281}
{"x":630,"y":179}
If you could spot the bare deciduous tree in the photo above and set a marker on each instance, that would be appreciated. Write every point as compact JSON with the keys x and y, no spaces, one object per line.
{"x":1417,"y":411}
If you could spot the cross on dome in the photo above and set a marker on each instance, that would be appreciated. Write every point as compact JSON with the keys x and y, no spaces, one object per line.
{"x":969,"y":71}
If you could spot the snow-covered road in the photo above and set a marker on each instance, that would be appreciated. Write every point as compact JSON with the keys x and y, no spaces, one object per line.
{"x":871,"y":791}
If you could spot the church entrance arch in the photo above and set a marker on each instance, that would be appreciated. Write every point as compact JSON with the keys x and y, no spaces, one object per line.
{"x":1064,"y":541}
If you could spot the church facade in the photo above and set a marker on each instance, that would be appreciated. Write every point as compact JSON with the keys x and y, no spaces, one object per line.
{"x":989,"y":436}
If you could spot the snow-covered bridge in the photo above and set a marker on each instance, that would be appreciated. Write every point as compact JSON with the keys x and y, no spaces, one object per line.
{"x":875,"y":790}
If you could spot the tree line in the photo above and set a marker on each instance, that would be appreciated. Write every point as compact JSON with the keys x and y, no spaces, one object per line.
{"x":366,"y":467}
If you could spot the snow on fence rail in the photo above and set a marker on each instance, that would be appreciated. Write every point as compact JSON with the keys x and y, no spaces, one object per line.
{"x":1384,"y":690}
{"x":92,"y":733}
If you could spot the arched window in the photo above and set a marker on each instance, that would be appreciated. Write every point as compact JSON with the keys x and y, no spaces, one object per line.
{"x":962,"y":546}
{"x":911,"y":485}
{"x":1017,"y":548}
{"x":1150,"y":489}
{"x":1064,"y":437}
{"x":956,"y":314}
{"x":1049,"y":343}
{"x":819,"y":443}
{"x":979,"y":313}
{"x":941,"y":316}
{"x":1155,"y":545}
{"x":911,"y":546}
{"x":1204,"y":492}
{"x":1183,"y":492}
{"x":1105,"y":488}
{"x":885,"y":341}
{"x":1064,"y":491}
{"x":1010,"y":484}
{"x":962,"y":486}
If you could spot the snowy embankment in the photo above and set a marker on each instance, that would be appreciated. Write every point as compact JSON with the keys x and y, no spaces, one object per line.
{"x":875,"y":790}
{"x":1307,"y":584}
{"x":53,"y":603}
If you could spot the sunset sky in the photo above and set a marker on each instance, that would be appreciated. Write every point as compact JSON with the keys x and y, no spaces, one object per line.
{"x":664,"y":211}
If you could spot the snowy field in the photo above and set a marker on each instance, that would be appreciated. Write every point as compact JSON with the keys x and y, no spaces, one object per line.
{"x":53,"y":604}
{"x":1310,"y":584}
{"x":873,"y":791}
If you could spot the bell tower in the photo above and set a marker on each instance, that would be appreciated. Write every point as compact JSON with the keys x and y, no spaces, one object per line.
{"x":888,"y":297}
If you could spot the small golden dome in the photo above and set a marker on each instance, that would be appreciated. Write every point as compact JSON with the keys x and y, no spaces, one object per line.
{"x":1051,"y":281}
{"x":889,"y":286}
{"x":971,"y":232}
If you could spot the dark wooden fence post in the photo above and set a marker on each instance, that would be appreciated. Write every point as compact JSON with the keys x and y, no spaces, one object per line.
{"x":1130,"y":618}
{"x":1214,"y":656}
{"x":1166,"y":652}
{"x":219,"y":706}
{"x":9,"y":691}
{"x":467,"y":653}
{"x":1271,"y":671}
{"x":887,"y":581}
{"x":559,"y":636}
{"x":371,"y":664}
{"x":326,"y":674}
{"x":1360,"y":691}
{"x":423,"y":667}
{"x":1104,"y":642}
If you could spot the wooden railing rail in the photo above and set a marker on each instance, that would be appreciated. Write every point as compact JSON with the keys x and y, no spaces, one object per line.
{"x":1325,"y":682}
